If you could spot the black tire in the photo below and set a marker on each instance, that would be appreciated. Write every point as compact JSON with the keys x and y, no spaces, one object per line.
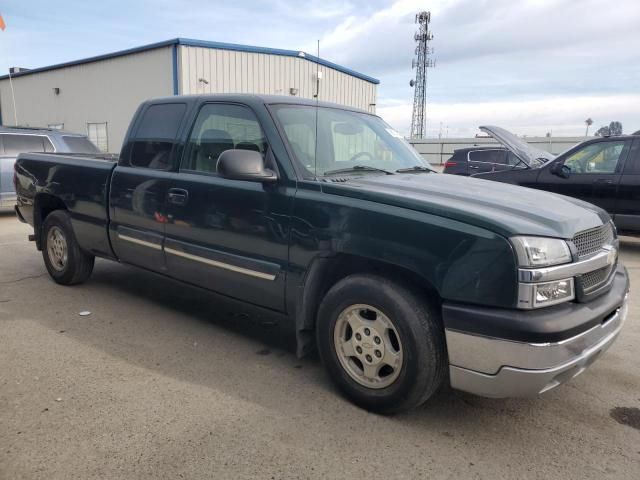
{"x":78,"y":265}
{"x":421,"y":337}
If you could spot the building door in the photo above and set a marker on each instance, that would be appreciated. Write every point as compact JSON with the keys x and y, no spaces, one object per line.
{"x":98,"y":134}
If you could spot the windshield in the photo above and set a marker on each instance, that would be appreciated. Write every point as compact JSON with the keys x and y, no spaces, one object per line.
{"x":346,"y":140}
{"x":532,"y":156}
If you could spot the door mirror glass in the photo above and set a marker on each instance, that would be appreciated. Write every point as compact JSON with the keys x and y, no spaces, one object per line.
{"x":246,"y":165}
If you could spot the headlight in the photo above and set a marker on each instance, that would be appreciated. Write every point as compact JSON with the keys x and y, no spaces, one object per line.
{"x":541,"y":251}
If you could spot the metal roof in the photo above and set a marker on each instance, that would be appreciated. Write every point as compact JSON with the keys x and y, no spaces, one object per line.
{"x":205,"y":44}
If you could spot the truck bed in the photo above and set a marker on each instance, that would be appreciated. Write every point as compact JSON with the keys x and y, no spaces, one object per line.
{"x":80,"y":181}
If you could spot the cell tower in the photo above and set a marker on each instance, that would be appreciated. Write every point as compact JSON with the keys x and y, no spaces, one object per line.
{"x":422,"y":37}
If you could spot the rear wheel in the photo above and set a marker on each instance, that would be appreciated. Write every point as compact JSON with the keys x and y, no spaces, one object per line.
{"x":382,"y":343}
{"x":66,"y":262}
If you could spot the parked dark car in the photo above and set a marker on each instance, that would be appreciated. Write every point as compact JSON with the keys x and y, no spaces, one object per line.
{"x":479,"y":159}
{"x":494,"y":158}
{"x":604,"y":171}
{"x":14,"y":141}
{"x":403,"y":278}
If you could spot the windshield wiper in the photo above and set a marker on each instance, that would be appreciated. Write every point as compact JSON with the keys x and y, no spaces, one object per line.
{"x":415,"y":168}
{"x":357,"y":168}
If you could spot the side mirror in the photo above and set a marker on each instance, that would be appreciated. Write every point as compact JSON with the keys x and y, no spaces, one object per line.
{"x":560,"y":169}
{"x":245,"y":165}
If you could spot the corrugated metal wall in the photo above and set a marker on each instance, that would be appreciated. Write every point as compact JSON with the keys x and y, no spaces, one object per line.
{"x":108,"y":90}
{"x":208,"y":70}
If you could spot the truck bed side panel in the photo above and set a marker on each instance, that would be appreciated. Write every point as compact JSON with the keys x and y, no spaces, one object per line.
{"x":81,"y":183}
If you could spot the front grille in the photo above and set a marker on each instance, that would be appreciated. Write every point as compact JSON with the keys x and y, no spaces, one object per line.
{"x":590,"y":241}
{"x":593,"y":279}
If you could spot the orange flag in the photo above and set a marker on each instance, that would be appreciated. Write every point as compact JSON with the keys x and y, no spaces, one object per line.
{"x":2,"y":25}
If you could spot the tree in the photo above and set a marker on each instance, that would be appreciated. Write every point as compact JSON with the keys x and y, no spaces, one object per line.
{"x":614,"y":128}
{"x":588,"y":122}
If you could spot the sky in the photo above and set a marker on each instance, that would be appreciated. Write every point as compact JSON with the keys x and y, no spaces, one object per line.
{"x":530,"y":66}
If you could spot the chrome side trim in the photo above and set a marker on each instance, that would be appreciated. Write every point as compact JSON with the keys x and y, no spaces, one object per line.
{"x":488,"y":355}
{"x":137,"y":241}
{"x":226,"y":266}
{"x":599,"y":260}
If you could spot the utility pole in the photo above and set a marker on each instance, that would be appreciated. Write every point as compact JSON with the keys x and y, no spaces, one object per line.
{"x":13,"y":97}
{"x":422,"y":37}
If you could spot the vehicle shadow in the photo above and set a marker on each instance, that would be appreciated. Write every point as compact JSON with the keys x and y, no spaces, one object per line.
{"x":189,"y":334}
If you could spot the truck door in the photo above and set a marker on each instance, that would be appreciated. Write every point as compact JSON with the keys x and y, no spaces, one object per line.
{"x":596,"y":169}
{"x":140,"y":184}
{"x":627,"y":210}
{"x":229,"y":236}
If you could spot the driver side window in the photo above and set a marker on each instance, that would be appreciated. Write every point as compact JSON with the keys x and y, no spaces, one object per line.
{"x":600,"y":157}
{"x":221,"y":127}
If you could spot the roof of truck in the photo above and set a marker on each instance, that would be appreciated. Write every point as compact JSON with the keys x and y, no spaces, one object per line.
{"x":251,"y":98}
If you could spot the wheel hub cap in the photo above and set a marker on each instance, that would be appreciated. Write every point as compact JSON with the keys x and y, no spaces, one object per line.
{"x":57,"y":248}
{"x":368,"y":346}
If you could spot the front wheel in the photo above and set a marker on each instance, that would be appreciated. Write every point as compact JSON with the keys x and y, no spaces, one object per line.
{"x":382,"y":343}
{"x":66,"y":263}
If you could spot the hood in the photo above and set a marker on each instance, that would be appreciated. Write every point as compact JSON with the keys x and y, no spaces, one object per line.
{"x":529,"y":154}
{"x":499,"y":207}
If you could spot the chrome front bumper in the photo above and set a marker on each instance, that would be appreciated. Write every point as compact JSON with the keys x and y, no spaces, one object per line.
{"x":494,"y":367}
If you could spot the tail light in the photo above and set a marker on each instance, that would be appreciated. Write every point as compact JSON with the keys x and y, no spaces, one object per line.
{"x":449,"y":163}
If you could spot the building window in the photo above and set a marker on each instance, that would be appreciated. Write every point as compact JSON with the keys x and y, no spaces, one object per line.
{"x":56,"y":126}
{"x":97,"y":133}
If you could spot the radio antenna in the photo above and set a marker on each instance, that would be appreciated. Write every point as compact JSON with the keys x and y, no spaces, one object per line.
{"x":317,"y":95}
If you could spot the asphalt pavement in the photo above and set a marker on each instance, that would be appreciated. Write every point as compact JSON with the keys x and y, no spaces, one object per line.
{"x":163,"y":380}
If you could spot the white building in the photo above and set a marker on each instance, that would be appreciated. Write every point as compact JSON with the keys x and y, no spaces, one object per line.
{"x":99,"y":95}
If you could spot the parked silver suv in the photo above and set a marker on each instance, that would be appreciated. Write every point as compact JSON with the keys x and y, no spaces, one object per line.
{"x":15,"y":140}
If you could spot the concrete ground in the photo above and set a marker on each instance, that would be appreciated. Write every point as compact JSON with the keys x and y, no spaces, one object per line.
{"x":164,"y":381}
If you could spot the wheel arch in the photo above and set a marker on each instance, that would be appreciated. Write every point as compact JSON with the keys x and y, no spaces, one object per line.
{"x":325,"y":271}
{"x":43,"y":205}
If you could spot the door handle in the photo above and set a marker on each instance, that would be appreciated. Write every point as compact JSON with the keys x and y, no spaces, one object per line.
{"x":178,"y":196}
{"x":474,"y":167}
{"x":603,"y":181}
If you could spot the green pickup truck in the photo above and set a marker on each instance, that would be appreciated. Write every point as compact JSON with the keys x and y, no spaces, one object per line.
{"x":322,"y":215}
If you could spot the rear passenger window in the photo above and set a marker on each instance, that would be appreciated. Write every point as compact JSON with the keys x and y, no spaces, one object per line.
{"x":488,"y":156}
{"x":14,"y":144}
{"x":155,"y":136}
{"x":218,"y":128}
